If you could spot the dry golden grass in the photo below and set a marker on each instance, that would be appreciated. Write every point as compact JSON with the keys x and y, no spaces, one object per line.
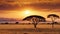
{"x":29,"y":29}
{"x":20,"y":26}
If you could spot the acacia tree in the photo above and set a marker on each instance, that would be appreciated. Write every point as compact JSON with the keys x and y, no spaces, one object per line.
{"x":35,"y":19}
{"x":53,"y":18}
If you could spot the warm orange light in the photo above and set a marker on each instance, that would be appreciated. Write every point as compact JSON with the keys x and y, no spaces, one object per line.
{"x":27,"y":11}
{"x":24,"y":13}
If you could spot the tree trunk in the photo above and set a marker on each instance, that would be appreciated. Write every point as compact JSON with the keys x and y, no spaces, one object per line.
{"x":34,"y":26}
{"x":52,"y":26}
{"x":52,"y":23}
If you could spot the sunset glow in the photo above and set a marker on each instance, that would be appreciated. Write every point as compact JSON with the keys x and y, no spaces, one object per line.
{"x":30,"y":16}
{"x":27,"y":12}
{"x":23,"y":8}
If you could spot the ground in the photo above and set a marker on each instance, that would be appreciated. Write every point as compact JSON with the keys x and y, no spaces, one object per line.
{"x":29,"y":29}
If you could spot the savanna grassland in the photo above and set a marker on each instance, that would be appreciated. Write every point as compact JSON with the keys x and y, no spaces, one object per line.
{"x":29,"y":29}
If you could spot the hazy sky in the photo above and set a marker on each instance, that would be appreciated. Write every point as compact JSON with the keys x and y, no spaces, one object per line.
{"x":23,"y":8}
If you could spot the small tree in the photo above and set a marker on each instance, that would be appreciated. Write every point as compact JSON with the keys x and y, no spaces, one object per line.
{"x":53,"y":18}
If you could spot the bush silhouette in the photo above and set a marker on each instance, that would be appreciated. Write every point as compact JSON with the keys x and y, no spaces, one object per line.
{"x":17,"y":23}
{"x":6,"y":22}
{"x":25,"y":33}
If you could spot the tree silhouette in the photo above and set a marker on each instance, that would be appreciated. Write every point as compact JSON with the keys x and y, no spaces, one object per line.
{"x":53,"y":18}
{"x":35,"y":19}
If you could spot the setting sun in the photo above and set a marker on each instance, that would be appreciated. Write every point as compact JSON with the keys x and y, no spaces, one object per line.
{"x":27,"y":11}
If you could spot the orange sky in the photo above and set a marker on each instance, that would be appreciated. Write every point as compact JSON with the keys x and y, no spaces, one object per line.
{"x":27,"y":12}
{"x":23,"y":8}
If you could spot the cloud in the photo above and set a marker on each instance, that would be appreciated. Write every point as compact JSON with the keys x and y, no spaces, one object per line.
{"x":9,"y":5}
{"x":46,"y":5}
{"x":15,"y":5}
